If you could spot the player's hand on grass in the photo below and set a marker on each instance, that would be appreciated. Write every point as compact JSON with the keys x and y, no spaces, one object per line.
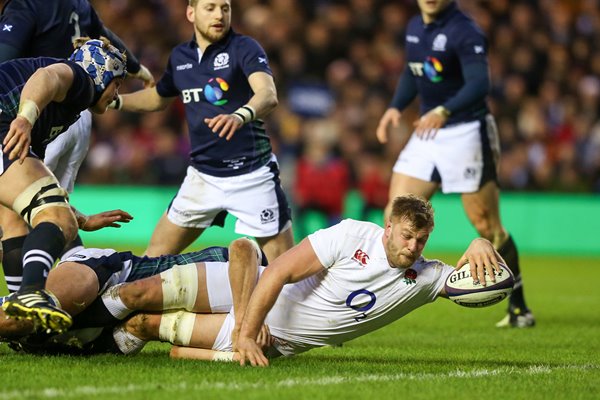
{"x":224,"y":124}
{"x":250,"y":351}
{"x":105,"y":219}
{"x":18,"y":139}
{"x":428,"y":125}
{"x":264,"y":338}
{"x":481,"y":256}
{"x":390,"y":117}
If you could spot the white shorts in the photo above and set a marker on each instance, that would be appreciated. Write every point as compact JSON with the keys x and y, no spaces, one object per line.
{"x":223,"y":340}
{"x":462,"y":157}
{"x":218,"y":287}
{"x":65,"y":154}
{"x":255,"y":199}
{"x":219,"y":297}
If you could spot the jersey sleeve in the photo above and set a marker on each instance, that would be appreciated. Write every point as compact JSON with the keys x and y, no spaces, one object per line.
{"x":253,"y":57}
{"x":18,"y":25}
{"x":82,"y":87}
{"x":166,"y":85}
{"x":96,"y":25}
{"x":471,"y":45}
{"x":328,"y":243}
{"x":440,"y":272}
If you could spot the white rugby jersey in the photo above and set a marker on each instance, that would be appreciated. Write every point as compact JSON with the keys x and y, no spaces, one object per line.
{"x":356,"y":293}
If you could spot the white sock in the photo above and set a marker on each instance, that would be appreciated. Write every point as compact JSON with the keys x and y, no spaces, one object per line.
{"x":127,"y":342}
{"x":114,"y":304}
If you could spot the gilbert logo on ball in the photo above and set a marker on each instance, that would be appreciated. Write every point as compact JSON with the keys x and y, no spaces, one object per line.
{"x":460,"y":287}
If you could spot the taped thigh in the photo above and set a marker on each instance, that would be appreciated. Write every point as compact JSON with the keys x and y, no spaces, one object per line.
{"x":43,"y":193}
{"x":177,"y":327}
{"x":180,"y":287}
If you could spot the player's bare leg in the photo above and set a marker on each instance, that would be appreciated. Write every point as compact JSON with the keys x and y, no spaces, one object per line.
{"x":169,"y":238}
{"x":163,"y":292}
{"x":274,"y":246}
{"x":483,"y":210}
{"x":403,"y":184}
{"x":74,"y":287}
{"x":196,"y":333}
{"x":31,"y":187}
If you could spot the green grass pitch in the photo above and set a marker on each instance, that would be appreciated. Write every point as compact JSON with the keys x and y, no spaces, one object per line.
{"x":439,"y":351}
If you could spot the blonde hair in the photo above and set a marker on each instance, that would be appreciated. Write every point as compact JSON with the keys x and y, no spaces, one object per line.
{"x":417,"y":210}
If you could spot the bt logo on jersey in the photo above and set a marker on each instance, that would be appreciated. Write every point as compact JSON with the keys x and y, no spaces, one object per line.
{"x":432,"y":68}
{"x":361,"y":257}
{"x":214,"y":91}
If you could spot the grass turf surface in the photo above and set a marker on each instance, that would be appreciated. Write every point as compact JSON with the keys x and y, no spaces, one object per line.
{"x":440,"y":350}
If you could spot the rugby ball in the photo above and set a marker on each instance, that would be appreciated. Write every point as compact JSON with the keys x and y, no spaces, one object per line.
{"x":461,"y":290}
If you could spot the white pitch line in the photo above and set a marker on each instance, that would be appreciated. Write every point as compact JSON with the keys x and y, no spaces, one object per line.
{"x":80,"y":391}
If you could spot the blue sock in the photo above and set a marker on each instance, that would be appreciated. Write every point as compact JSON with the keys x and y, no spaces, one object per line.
{"x":41,"y":248}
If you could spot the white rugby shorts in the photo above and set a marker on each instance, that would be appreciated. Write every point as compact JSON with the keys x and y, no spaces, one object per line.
{"x":461,"y":157}
{"x":255,"y":199}
{"x":65,"y":154}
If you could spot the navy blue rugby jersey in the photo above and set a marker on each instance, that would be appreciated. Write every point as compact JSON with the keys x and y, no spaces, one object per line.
{"x":55,"y":118}
{"x":214,"y":83}
{"x":47,"y":28}
{"x":435,"y":54}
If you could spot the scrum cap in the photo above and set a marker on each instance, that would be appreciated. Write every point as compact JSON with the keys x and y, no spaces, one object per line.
{"x":102,"y":61}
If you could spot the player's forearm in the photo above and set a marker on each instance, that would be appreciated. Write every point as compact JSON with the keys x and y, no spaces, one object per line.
{"x":243,"y":269}
{"x":264,"y":102}
{"x":262,"y":300}
{"x":406,"y":91}
{"x":145,"y":100}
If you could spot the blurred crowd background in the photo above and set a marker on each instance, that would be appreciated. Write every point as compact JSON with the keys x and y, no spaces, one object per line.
{"x":336,"y":65}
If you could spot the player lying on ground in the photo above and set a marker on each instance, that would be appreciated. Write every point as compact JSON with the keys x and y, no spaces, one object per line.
{"x":77,"y":281}
{"x":338,"y":284}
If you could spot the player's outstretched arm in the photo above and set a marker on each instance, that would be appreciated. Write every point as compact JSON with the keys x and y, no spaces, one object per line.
{"x":101,"y":220}
{"x":145,"y":100}
{"x":294,"y":265}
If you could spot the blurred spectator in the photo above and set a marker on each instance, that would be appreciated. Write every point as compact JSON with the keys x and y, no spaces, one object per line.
{"x":322,"y":178}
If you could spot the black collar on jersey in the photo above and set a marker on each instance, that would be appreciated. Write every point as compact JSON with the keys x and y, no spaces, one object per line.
{"x":444,"y":15}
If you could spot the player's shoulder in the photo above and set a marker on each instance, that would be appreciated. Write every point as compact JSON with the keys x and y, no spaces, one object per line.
{"x":463,"y":25}
{"x":243,"y":42}
{"x":358,"y":228}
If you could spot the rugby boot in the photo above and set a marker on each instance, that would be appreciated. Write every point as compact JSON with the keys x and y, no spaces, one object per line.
{"x":517,"y":318}
{"x":40,"y":307}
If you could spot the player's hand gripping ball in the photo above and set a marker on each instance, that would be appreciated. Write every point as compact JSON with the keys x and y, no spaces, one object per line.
{"x":461,"y":290}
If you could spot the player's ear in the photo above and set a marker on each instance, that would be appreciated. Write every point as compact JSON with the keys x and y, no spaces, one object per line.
{"x":388,"y":227}
{"x":190,"y":13}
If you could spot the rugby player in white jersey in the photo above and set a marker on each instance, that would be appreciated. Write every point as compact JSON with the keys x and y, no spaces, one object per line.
{"x":336,"y":285}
